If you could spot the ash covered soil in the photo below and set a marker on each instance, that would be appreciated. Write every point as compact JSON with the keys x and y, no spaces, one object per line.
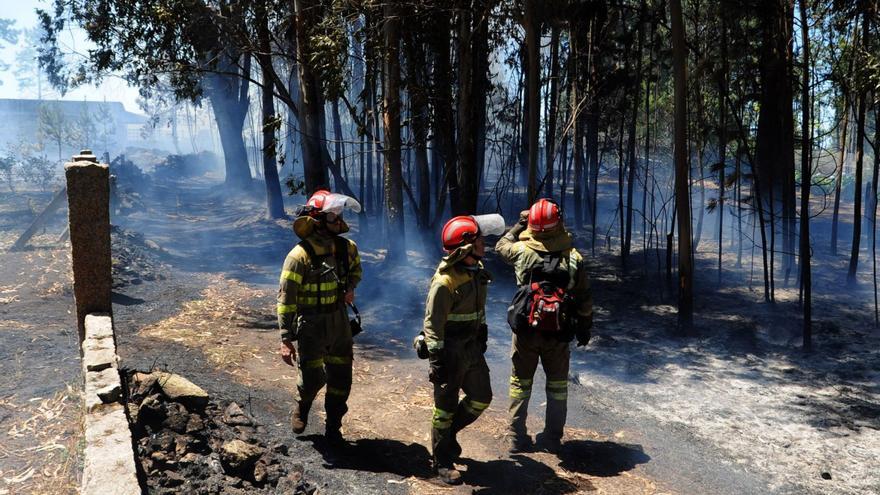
{"x":736,"y":408}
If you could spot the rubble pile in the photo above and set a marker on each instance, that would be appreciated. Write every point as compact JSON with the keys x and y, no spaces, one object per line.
{"x":187,"y":443}
{"x":135,"y":259}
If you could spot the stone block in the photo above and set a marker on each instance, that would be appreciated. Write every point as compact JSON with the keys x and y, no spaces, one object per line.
{"x":98,"y":358}
{"x":179,"y":389}
{"x":102,"y":387}
{"x":109,"y":465}
{"x":99,"y":326}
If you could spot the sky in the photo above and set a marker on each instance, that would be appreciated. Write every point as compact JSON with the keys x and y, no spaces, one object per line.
{"x":113,"y":88}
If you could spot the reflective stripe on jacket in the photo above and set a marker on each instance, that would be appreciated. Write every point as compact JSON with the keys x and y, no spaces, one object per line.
{"x":456,"y":304}
{"x":303,"y":287}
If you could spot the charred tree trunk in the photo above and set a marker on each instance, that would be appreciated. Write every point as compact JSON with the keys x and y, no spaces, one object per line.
{"x":576,"y":63}
{"x":722,"y":140}
{"x":550,"y":139}
{"x":631,"y":152}
{"x":418,"y":98}
{"x":310,"y":101}
{"x":682,"y":196}
{"x":444,"y":122}
{"x":806,"y":182}
{"x":533,"y":85}
{"x":775,"y":141}
{"x":838,"y":179}
{"x":391,"y":118}
{"x":860,"y":155}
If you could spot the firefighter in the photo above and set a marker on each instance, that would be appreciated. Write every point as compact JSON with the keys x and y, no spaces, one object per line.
{"x":540,"y":236}
{"x":317,"y":281}
{"x":455,"y":334}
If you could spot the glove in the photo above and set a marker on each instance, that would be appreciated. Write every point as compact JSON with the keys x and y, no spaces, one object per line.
{"x":420,"y":346}
{"x":438,"y":375}
{"x":524,"y":218}
{"x":583,"y":333}
{"x":483,"y":337}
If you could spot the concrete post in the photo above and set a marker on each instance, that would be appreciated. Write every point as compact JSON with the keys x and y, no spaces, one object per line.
{"x":88,"y":199}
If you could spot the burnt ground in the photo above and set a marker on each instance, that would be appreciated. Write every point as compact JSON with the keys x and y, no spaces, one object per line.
{"x":735,"y":408}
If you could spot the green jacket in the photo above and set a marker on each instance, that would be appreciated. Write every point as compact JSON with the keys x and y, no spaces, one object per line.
{"x":456,"y":305}
{"x":526,"y":253}
{"x":302,"y":288}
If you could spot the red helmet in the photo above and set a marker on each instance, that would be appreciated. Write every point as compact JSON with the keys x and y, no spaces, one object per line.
{"x":544,"y":215}
{"x":316,"y":202}
{"x":459,"y":231}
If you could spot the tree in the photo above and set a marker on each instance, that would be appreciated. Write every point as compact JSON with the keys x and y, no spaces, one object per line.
{"x":271,"y":122}
{"x":682,"y":179}
{"x":151,"y":43}
{"x":391,"y":120}
{"x":806,"y":179}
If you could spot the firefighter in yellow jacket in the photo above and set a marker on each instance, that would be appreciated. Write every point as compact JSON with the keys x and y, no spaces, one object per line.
{"x":537,"y":241}
{"x":318,"y":279}
{"x":455,"y":336}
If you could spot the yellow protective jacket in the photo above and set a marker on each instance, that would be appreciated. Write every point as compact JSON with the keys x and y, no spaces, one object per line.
{"x":305,"y":289}
{"x":527,"y":252}
{"x":456,"y":304}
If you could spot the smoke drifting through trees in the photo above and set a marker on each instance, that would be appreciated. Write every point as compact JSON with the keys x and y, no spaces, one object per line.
{"x":455,"y":107}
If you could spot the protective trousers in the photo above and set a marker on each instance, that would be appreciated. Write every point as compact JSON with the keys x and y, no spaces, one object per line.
{"x":325,"y":352}
{"x":554,"y":356}
{"x":467,"y":371}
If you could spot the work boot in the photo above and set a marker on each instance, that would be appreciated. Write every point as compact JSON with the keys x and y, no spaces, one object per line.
{"x":449,"y":475}
{"x":455,"y":448}
{"x":520,"y":443}
{"x":300,"y":417}
{"x":547,"y":442}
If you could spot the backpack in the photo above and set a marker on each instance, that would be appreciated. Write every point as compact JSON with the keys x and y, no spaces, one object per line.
{"x":341,"y":256}
{"x":543,"y":304}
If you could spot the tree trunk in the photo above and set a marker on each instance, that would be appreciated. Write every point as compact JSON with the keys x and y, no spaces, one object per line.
{"x":444,"y":122}
{"x":576,"y":120}
{"x":860,"y":155}
{"x":229,"y":101}
{"x":722,"y":140}
{"x":391,"y":118}
{"x":806,"y":181}
{"x":310,"y":105}
{"x":685,"y":266}
{"x":840,"y":165}
{"x":274,"y":202}
{"x":631,"y":155}
{"x":533,"y":85}
{"x":550,"y":139}
{"x":417,"y":89}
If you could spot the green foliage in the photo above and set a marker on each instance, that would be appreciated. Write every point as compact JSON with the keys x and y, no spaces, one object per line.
{"x":294,"y":185}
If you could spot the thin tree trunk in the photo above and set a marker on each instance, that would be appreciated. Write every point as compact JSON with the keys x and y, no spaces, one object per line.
{"x":806,"y":182}
{"x":722,"y":140}
{"x":838,"y":179}
{"x":860,"y":155}
{"x":550,"y":139}
{"x":685,"y":267}
{"x":533,"y":85}
{"x":391,"y":118}
{"x":274,"y":202}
